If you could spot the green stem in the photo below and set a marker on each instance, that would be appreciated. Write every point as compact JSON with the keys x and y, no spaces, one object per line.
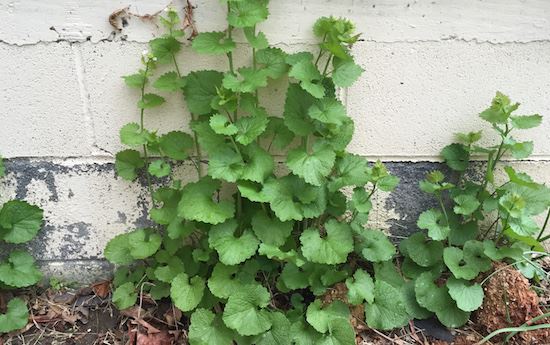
{"x":229,"y":35}
{"x":305,"y":143}
{"x":535,"y":319}
{"x":490,"y":227}
{"x":271,"y":142}
{"x":142,"y":129}
{"x":321,"y":51}
{"x":355,"y":213}
{"x":254,"y":64}
{"x":544,"y":226}
{"x":198,"y":164}
{"x":440,"y":199}
{"x":236,"y":147}
{"x":512,"y":329}
{"x":326,"y":66}
{"x":176,"y":65}
{"x":504,"y":226}
{"x":239,"y":205}
{"x":500,"y":153}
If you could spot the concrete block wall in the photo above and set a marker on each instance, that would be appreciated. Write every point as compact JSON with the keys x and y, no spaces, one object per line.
{"x":430,"y":67}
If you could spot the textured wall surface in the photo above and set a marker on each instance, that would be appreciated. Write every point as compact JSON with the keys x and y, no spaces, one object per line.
{"x":431,"y":66}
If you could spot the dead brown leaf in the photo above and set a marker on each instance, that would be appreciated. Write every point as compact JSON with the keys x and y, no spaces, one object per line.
{"x":162,"y":338}
{"x":102,"y":289}
{"x":172,"y":316}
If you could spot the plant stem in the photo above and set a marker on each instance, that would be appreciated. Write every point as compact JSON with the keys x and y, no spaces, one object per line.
{"x":536,"y":318}
{"x":544,"y":226}
{"x":326,"y":66}
{"x":142,"y":129}
{"x":442,"y":207}
{"x":500,"y":152}
{"x":321,"y":51}
{"x":504,"y":226}
{"x":236,"y":147}
{"x":176,"y":65}
{"x":239,"y":205}
{"x":254,"y":64}
{"x":198,"y":164}
{"x":512,"y":329}
{"x":229,"y":35}
{"x":305,"y":143}
{"x":490,"y":227}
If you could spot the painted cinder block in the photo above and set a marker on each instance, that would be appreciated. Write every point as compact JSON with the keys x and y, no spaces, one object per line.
{"x":430,"y":67}
{"x":422,"y":93}
{"x":290,"y":20}
{"x":42,"y":111}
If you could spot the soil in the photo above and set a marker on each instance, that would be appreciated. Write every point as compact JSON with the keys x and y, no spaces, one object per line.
{"x":511,"y":302}
{"x":87,"y":317}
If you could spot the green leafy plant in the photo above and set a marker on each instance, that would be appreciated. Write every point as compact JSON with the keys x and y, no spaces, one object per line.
{"x":19,"y":223}
{"x":276,"y":215}
{"x":477,"y":222}
{"x":251,"y":263}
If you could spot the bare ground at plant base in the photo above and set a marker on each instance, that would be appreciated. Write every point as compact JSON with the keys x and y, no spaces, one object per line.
{"x":86,"y":317}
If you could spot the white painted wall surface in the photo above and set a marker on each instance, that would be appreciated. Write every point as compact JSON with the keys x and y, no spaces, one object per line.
{"x":431,"y":66}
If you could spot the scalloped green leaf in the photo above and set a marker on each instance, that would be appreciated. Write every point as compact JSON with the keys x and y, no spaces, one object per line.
{"x":526,"y":121}
{"x":176,"y":145}
{"x":197,"y":203}
{"x":169,"y":81}
{"x":16,"y":316}
{"x":293,"y":199}
{"x":456,"y":156}
{"x":346,"y":74}
{"x":256,"y":40}
{"x":247,"y":13}
{"x":19,"y":270}
{"x":467,"y":296}
{"x":333,"y":248}
{"x":150,"y":100}
{"x":328,"y":111}
{"x":270,"y":230}
{"x":19,"y":221}
{"x":374,"y":245}
{"x":421,"y":250}
{"x":187,"y":293}
{"x":215,"y":43}
{"x":388,"y":309}
{"x":248,"y":79}
{"x":314,"y":167}
{"x":319,"y":316}
{"x":159,"y":168}
{"x":278,"y":333}
{"x":245,"y":311}
{"x":433,"y":221}
{"x":272,"y":60}
{"x":200,"y":89}
{"x":207,"y":328}
{"x":232,"y":250}
{"x":297,"y":104}
{"x":466,"y":204}
{"x":360,"y":288}
{"x":125,"y":295}
{"x":143,"y":243}
{"x":127,"y":163}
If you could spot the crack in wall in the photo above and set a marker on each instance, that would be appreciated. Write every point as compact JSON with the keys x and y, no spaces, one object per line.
{"x":85,"y":98}
{"x":113,"y":37}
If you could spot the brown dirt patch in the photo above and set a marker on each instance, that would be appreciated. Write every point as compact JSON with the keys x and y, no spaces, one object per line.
{"x":509,"y":301}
